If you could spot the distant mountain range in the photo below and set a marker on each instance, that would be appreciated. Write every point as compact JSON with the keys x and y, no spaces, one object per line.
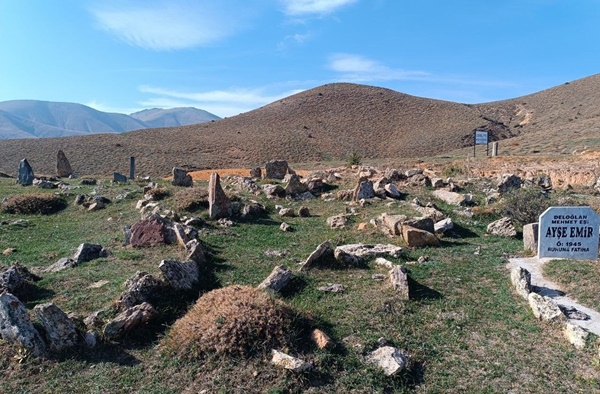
{"x":46,"y":119}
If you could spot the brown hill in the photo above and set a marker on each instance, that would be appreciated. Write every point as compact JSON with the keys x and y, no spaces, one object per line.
{"x":328,"y":123}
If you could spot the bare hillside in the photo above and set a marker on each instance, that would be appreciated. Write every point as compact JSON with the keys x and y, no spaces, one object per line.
{"x":325,"y":123}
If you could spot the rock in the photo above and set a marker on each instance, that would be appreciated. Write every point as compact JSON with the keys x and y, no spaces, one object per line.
{"x":25,"y":176}
{"x":365,"y":190}
{"x":9,"y":251}
{"x":392,"y":191}
{"x":63,"y":167}
{"x":544,"y":308}
{"x":119,"y":178}
{"x":295,"y":186}
{"x":423,"y":223}
{"x":412,"y":172}
{"x":11,"y":280}
{"x":88,"y":252}
{"x":253,"y":209}
{"x":277,"y":280}
{"x":393,"y":223}
{"x":304,"y":196}
{"x":384,"y":262}
{"x":321,"y":339}
{"x":273,"y":191}
{"x":61,"y":264}
{"x":521,"y":280}
{"x":141,"y":287}
{"x":256,"y":172}
{"x":286,"y":361}
{"x":502,"y":227}
{"x":149,"y":210}
{"x":437,"y":183}
{"x":153,"y":231}
{"x":195,"y":252}
{"x":508,"y":182}
{"x":451,"y":198}
{"x":60,"y":330}
{"x":573,"y":313}
{"x":183,"y":233}
{"x":345,"y":195}
{"x":443,"y":225}
{"x":128,"y":320}
{"x":415,"y":237}
{"x":181,"y":276}
{"x":390,"y":359}
{"x":430,"y":212}
{"x":315,"y":185}
{"x":219,"y":205}
{"x":338,"y":221}
{"x":285,"y":227}
{"x":44,"y":184}
{"x":96,"y":206}
{"x":16,"y":326}
{"x":530,"y":237}
{"x":181,"y":178}
{"x":332,"y":288}
{"x":224,"y":222}
{"x":371,"y":250}
{"x":88,"y":182}
{"x":303,"y":212}
{"x":90,"y":339}
{"x":276,"y":169}
{"x":287,"y":213}
{"x":399,"y":280}
{"x":323,"y":252}
{"x":420,"y":180}
{"x":575,"y":334}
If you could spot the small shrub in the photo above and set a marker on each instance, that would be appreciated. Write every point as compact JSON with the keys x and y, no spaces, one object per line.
{"x":160,"y":193}
{"x":525,"y":205}
{"x":190,"y":199}
{"x":354,"y":159}
{"x":235,"y":320}
{"x":29,"y":204}
{"x":452,"y":170}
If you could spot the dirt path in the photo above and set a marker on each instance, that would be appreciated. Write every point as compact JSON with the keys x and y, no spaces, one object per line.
{"x":552,"y":290}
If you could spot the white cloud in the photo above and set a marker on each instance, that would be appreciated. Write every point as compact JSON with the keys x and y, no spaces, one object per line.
{"x":219,"y":102}
{"x":306,"y":7}
{"x":108,"y":108}
{"x":172,"y":25}
{"x":361,"y":69}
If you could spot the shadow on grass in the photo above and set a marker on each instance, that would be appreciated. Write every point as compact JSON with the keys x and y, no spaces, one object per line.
{"x":462,"y":232}
{"x":295,"y":286}
{"x":421,"y":292}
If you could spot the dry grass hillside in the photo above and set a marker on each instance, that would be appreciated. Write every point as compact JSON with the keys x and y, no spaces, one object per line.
{"x":330,"y":122}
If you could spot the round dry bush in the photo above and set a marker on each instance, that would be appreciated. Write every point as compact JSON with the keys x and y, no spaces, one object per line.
{"x":235,"y":320}
{"x":190,"y":199}
{"x":159,"y":193}
{"x":44,"y":204}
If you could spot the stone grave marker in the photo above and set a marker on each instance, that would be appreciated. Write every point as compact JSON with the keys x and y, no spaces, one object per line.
{"x":569,"y":233}
{"x":25,"y":177}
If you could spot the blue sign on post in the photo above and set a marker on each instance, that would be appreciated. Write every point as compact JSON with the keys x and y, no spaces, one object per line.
{"x":481,"y":138}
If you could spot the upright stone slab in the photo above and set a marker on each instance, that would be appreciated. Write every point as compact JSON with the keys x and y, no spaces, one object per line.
{"x":568,"y":233}
{"x":276,"y":169}
{"x":25,"y":177}
{"x":219,"y":205}
{"x":63,"y":167}
{"x":181,"y":178}
{"x":119,"y":178}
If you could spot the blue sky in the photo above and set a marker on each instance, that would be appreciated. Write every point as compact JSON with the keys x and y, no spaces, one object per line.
{"x":231,"y":56}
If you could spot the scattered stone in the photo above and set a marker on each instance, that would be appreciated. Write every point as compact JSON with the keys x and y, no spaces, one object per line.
{"x":544,"y":308}
{"x":575,"y":334}
{"x":285,"y":227}
{"x":399,"y":280}
{"x":573,"y":314}
{"x":287,"y":213}
{"x":378,"y":277}
{"x":219,"y":205}
{"x":332,"y":288}
{"x":25,"y":176}
{"x":61,"y":264}
{"x":88,"y":182}
{"x":96,"y":206}
{"x":422,"y":259}
{"x":44,"y":184}
{"x":390,"y":359}
{"x":443,"y":225}
{"x":152,"y":231}
{"x":345,"y":195}
{"x":508,"y":182}
{"x":88,"y":252}
{"x":295,"y":186}
{"x":393,"y":223}
{"x":323,"y":252}
{"x":286,"y":361}
{"x":181,"y":276}
{"x":276,"y":169}
{"x":98,"y":284}
{"x":119,"y":178}
{"x":530,"y":237}
{"x":60,"y":330}
{"x":451,"y":198}
{"x":273,"y":191}
{"x":502,"y":227}
{"x":371,"y":250}
{"x":384,"y":262}
{"x":303,"y":212}
{"x":90,"y":339}
{"x":195,"y":252}
{"x":423,"y":223}
{"x":521,"y":280}
{"x":277,"y":280}
{"x":392,"y":191}
{"x":321,"y":339}
{"x":437,"y":183}
{"x":337,"y":222}
{"x":9,"y":251}
{"x":364,"y":190}
{"x":181,"y":178}
{"x":11,"y":280}
{"x":256,"y":172}
{"x":16,"y":326}
{"x":63,"y":167}
{"x":141,"y":287}
{"x":253,"y":209}
{"x":415,"y":237}
{"x":128,"y":320}
{"x":412,"y":172}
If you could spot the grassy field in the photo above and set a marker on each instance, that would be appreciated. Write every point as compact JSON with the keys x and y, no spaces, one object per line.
{"x":463,"y":327}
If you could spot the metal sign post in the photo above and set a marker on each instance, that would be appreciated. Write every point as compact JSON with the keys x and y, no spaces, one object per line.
{"x":481,"y":138}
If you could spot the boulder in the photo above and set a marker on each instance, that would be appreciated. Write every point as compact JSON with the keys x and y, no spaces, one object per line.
{"x":61,"y":264}
{"x":332,"y":288}
{"x":347,"y":258}
{"x":88,"y":252}
{"x":338,"y":221}
{"x":287,"y":213}
{"x":508,"y":182}
{"x":390,"y":359}
{"x":315,"y":185}
{"x":521,"y":280}
{"x":412,"y":172}
{"x":393,"y":223}
{"x":44,"y":184}
{"x":399,"y":281}
{"x":322,"y":252}
{"x":141,"y":287}
{"x":181,"y":178}
{"x":392,"y":191}
{"x":451,"y":198}
{"x":286,"y":361}
{"x":11,"y":280}
{"x":437,"y":183}
{"x":277,"y":279}
{"x":256,"y":172}
{"x":371,"y":250}
{"x":502,"y":227}
{"x":544,"y":308}
{"x":219,"y":205}
{"x":285,"y":227}
{"x":415,"y":237}
{"x":364,"y":190}
{"x":295,"y":186}
{"x":273,"y":191}
{"x":129,"y":319}
{"x":195,"y":252}
{"x":25,"y":175}
{"x":430,"y":212}
{"x":345,"y":195}
{"x":530,"y":237}
{"x":443,"y":225}
{"x":60,"y":330}
{"x":303,"y":212}
{"x":576,"y":335}
{"x":63,"y":167}
{"x":16,"y":326}
{"x":181,"y":276}
{"x":423,"y":223}
{"x":153,"y":231}
{"x":253,"y":209}
{"x":276,"y":169}
{"x":384,"y":262}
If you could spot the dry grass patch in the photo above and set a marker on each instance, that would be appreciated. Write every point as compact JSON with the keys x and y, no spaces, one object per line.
{"x":191,"y":199}
{"x":235,"y":320}
{"x":160,"y":193}
{"x":29,"y":204}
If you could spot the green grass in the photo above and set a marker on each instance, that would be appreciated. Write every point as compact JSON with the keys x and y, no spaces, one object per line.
{"x":464,"y":328}
{"x":580,"y":279}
